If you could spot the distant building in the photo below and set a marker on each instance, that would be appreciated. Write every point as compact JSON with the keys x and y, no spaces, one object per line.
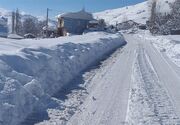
{"x":3,"y":27}
{"x":73,"y":23}
{"x":142,"y":26}
{"x":127,"y":25}
{"x":174,"y":32}
{"x":29,"y":36}
{"x":96,"y":25}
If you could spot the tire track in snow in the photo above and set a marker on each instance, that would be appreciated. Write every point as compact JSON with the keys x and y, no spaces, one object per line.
{"x":149,"y":102}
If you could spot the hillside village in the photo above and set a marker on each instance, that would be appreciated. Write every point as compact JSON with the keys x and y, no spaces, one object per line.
{"x":22,"y":26}
{"x":114,"y":67}
{"x":67,"y":23}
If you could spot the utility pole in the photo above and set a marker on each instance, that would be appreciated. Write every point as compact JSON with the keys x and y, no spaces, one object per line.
{"x":17,"y":22}
{"x":13,"y":22}
{"x":47,"y":20}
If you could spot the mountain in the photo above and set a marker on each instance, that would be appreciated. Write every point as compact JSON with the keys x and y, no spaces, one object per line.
{"x":4,"y":12}
{"x":137,"y":13}
{"x":7,"y":14}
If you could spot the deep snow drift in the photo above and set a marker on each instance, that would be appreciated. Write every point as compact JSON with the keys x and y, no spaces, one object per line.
{"x":34,"y":70}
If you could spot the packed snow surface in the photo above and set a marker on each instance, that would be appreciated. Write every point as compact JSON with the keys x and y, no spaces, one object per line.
{"x":154,"y":98}
{"x":138,"y":86}
{"x":168,"y":45}
{"x":33,"y":70}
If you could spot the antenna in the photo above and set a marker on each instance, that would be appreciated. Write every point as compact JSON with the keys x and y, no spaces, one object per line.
{"x":47,"y":20}
{"x":84,"y":6}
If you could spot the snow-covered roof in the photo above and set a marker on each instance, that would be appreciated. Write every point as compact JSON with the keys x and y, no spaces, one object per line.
{"x":14,"y":36}
{"x":77,"y":15}
{"x":94,"y":21}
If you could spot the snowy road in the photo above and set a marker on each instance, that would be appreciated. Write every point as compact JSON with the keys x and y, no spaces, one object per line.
{"x":137,"y":85}
{"x":140,"y":87}
{"x":111,"y":93}
{"x":154,"y":97}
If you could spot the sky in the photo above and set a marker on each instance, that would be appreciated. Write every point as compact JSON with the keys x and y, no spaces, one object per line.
{"x":38,"y":7}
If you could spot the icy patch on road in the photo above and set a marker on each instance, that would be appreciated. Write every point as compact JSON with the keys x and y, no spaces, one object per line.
{"x":34,"y":70}
{"x":149,"y":102}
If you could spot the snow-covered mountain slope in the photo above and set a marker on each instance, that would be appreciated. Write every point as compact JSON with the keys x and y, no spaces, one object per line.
{"x":137,"y":13}
{"x":33,"y":70}
{"x":4,"y":12}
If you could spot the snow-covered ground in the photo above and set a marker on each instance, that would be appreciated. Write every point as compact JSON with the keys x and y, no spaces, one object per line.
{"x":150,"y":100}
{"x":34,"y":70}
{"x":58,"y":81}
{"x":170,"y":45}
{"x":137,"y":85}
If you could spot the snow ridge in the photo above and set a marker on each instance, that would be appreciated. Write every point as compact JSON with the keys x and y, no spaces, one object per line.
{"x":31,"y":76}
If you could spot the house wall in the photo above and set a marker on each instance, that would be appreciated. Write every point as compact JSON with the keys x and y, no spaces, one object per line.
{"x":3,"y":30}
{"x":60,"y":22}
{"x":75,"y":26}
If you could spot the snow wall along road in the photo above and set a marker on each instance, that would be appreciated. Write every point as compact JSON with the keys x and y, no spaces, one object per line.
{"x":34,"y":70}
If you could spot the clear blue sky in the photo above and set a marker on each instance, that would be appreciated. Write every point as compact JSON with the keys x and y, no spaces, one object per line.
{"x":38,"y":7}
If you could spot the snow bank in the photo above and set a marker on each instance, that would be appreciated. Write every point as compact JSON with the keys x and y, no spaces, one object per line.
{"x":34,"y":70}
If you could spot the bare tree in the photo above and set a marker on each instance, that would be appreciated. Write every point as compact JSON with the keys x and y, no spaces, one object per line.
{"x":153,"y":16}
{"x":29,"y":26}
{"x":159,"y":23}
